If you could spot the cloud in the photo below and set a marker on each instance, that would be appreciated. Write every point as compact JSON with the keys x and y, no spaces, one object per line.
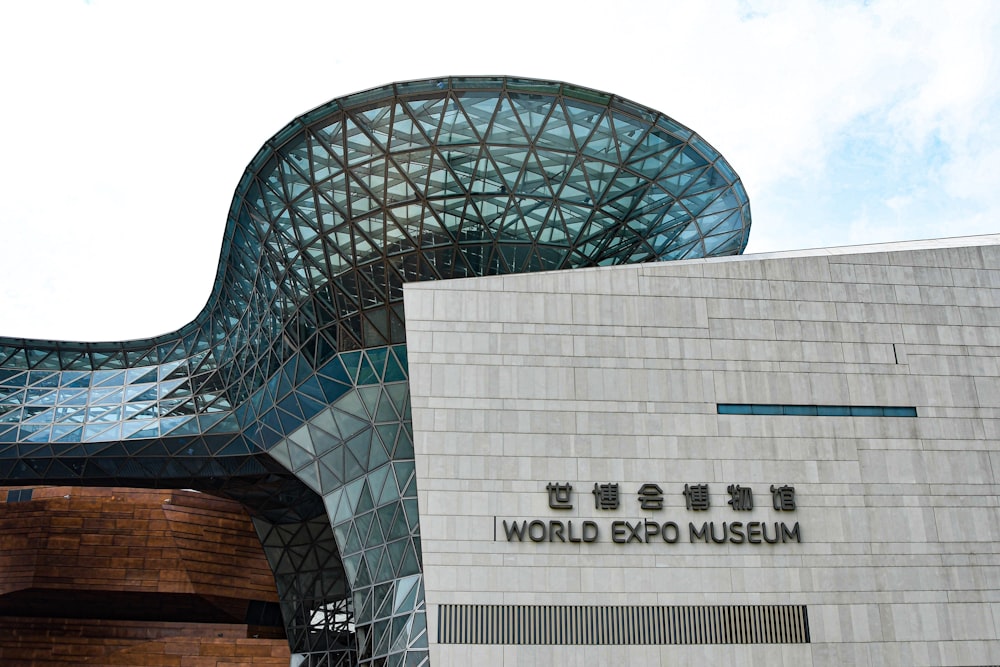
{"x":129,"y":124}
{"x":900,"y":116}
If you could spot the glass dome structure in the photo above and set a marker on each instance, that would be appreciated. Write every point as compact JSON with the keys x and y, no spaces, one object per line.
{"x":289,"y":390}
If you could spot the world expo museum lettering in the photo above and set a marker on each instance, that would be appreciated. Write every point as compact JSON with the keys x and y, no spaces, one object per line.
{"x":697,"y":498}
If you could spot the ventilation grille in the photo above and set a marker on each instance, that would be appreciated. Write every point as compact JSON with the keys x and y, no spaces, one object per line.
{"x":675,"y":624}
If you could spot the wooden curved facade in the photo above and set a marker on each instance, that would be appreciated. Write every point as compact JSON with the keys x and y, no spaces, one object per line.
{"x":114,"y":576}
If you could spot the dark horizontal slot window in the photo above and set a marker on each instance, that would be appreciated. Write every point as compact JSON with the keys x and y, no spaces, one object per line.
{"x":816,"y":410}
{"x":19,"y":495}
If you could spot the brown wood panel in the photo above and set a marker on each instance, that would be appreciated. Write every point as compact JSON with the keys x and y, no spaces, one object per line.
{"x":146,"y":577}
{"x":30,"y":642}
{"x":126,"y":539}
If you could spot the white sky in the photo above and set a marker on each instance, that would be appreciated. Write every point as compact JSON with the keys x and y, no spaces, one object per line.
{"x":129,"y":124}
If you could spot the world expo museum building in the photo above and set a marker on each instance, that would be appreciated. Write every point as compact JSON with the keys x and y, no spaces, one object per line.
{"x":289,"y":392}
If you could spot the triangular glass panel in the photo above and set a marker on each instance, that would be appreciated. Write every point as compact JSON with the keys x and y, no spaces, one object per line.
{"x":675,"y":184}
{"x":410,"y":564}
{"x":480,"y":108}
{"x":360,"y":147}
{"x":557,"y":134}
{"x":376,"y":480}
{"x":685,"y":160}
{"x":456,"y":128}
{"x":583,"y":119}
{"x":404,"y":133}
{"x":575,"y":187}
{"x":309,"y":475}
{"x":506,"y":129}
{"x":377,"y":454}
{"x":532,"y":110}
{"x":428,"y":114}
{"x":353,"y":543}
{"x":378,"y":123}
{"x":365,"y":499}
{"x":721,"y":243}
{"x":628,"y":131}
{"x":386,"y":571}
{"x":354,"y":490}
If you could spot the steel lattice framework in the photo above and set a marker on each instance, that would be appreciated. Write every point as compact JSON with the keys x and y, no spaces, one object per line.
{"x":289,"y":390}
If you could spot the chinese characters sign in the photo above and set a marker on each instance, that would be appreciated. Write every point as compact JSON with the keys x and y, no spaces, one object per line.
{"x":610,"y":497}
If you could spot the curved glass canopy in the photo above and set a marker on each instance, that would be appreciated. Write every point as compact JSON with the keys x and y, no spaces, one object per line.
{"x":288,"y":392}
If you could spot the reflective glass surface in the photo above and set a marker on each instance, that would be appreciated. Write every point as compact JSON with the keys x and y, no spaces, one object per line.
{"x":816,"y":410}
{"x":289,"y":391}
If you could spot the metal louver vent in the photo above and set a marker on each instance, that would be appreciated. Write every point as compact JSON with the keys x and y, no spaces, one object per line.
{"x":592,"y":625}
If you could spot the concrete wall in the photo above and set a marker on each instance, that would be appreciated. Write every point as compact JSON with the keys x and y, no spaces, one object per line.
{"x":613,"y":376}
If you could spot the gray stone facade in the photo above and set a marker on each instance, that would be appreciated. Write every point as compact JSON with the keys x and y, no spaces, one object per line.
{"x":616,"y":375}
